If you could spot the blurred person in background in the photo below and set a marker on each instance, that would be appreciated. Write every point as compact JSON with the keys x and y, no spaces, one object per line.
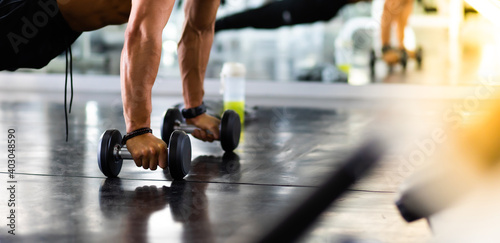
{"x":292,"y":12}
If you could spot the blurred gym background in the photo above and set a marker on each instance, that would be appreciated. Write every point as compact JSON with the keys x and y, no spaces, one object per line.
{"x":461,"y":45}
{"x":458,"y":38}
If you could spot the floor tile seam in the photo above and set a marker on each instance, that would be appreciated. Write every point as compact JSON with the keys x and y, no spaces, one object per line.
{"x":207,"y":182}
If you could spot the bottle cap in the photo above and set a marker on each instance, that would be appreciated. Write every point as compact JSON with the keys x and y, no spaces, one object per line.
{"x":233,"y":69}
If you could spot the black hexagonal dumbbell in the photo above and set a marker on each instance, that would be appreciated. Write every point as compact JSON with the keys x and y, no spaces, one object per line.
{"x":111,"y":153}
{"x":229,"y":129}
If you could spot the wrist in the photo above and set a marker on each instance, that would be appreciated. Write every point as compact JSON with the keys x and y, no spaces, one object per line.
{"x":194,"y":120}
{"x":191,"y":104}
{"x":193,"y":112}
{"x":134,"y":125}
{"x":135,"y":133}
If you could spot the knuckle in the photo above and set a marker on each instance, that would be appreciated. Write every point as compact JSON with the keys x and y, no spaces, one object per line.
{"x":152,"y":152}
{"x":137,"y":156}
{"x":144,"y":152}
{"x":161,"y":146}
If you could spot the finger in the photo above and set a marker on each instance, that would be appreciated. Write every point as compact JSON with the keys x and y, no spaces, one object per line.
{"x":153,"y":161}
{"x":145,"y":161}
{"x":137,"y":160}
{"x":210,"y":138}
{"x":205,"y":135}
{"x":215,"y":132}
{"x":162,"y":157}
{"x":200,"y":134}
{"x":196,"y":134}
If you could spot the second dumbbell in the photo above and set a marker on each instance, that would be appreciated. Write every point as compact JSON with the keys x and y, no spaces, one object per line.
{"x":229,"y":129}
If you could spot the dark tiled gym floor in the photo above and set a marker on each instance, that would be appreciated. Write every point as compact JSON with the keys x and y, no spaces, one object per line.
{"x":62,"y":196}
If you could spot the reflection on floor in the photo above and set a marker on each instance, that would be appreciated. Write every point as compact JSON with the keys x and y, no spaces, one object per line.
{"x":63,"y":197}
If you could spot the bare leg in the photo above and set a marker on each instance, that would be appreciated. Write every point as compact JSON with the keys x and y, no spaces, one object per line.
{"x":386,"y":21}
{"x":402,"y":20}
{"x":394,"y":11}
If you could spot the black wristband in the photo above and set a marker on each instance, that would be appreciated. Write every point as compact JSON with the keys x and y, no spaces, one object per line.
{"x":136,"y":133}
{"x":194,"y":112}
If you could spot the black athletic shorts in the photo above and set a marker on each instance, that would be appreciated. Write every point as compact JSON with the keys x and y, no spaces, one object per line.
{"x":32,"y":32}
{"x":282,"y":13}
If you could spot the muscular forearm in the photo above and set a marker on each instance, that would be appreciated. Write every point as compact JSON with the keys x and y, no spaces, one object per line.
{"x":194,"y":48}
{"x":139,"y":67}
{"x":141,"y":58}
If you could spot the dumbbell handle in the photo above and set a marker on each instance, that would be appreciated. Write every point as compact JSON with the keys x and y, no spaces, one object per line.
{"x":122,"y":152}
{"x":187,"y":128}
